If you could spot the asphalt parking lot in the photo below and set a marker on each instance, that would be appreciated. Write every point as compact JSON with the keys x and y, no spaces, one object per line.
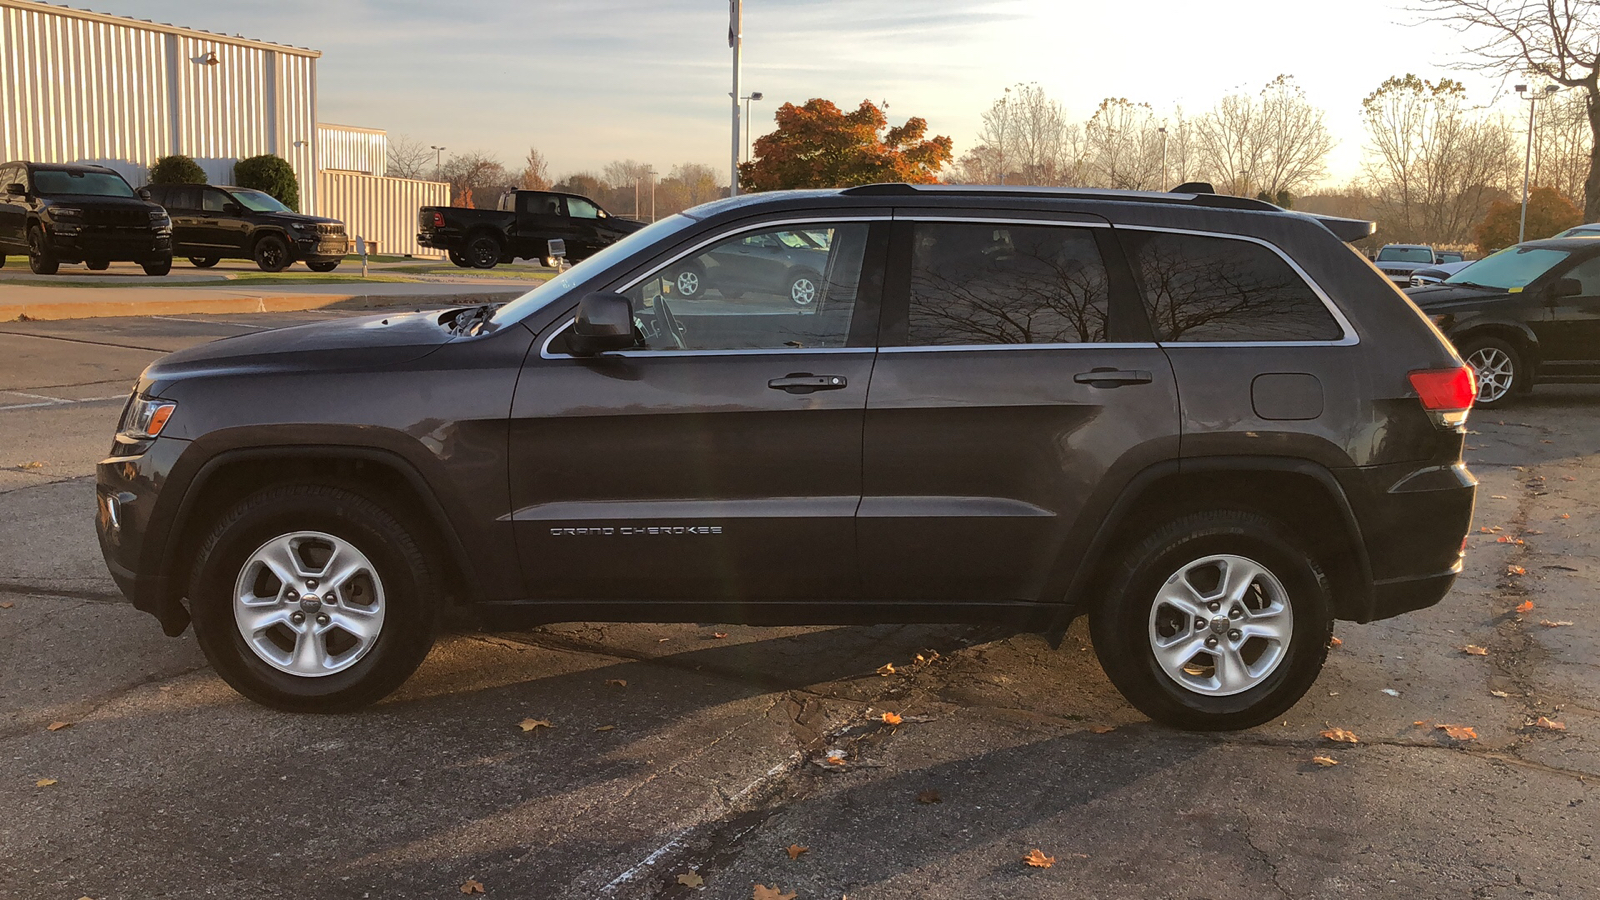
{"x":699,"y":761}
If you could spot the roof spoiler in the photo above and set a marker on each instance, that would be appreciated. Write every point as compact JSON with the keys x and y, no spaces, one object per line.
{"x":1348,"y":230}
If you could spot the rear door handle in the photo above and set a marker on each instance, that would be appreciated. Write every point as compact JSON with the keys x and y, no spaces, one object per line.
{"x":805,"y":383}
{"x":1110,"y":378}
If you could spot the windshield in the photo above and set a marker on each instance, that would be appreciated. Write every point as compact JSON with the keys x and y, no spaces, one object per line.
{"x":256,"y":201}
{"x":1512,"y":269}
{"x":49,"y":183}
{"x":1405,"y":254}
{"x":557,"y":287}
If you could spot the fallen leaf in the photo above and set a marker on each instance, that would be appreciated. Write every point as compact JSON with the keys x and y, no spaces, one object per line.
{"x":1501,"y":694}
{"x":44,"y":782}
{"x":1533,"y":531}
{"x":795,"y":850}
{"x":1340,"y":735}
{"x":472,"y":886}
{"x":31,"y":465}
{"x":1475,"y":650}
{"x":1568,"y":478}
{"x":929,"y":796}
{"x":7,"y":605}
{"x":1516,"y":570}
{"x":835,"y":757}
{"x":57,"y":726}
{"x":1325,"y":761}
{"x":605,"y":728}
{"x":886,"y":669}
{"x":1459,"y":732}
{"x":1420,"y":723}
{"x":662,"y":640}
{"x":1525,"y":606}
{"x":531,"y":724}
{"x":618,"y":682}
{"x":1497,"y":496}
{"x":719,"y":635}
{"x":1565,"y":516}
{"x":1390,"y":691}
{"x":890,"y":718}
{"x":1502,"y":539}
{"x":1549,"y":725}
{"x":1335,"y":642}
{"x":1038,"y":860}
{"x":762,"y":892}
{"x":1549,"y":624}
{"x":691,"y":878}
{"x":1102,"y":729}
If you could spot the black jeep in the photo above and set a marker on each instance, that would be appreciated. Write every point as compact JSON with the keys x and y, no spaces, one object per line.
{"x":211,"y":223}
{"x":74,"y":213}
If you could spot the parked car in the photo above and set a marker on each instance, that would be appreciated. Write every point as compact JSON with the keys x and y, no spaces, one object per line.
{"x":1003,"y":406}
{"x":786,"y":263}
{"x":521,"y":228}
{"x":1437,"y":273}
{"x":212,"y":223}
{"x":77,"y":213}
{"x":1590,"y":230}
{"x":1527,"y":315}
{"x":1398,"y":261}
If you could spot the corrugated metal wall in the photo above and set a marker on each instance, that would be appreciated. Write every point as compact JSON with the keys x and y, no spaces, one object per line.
{"x":381,"y":209}
{"x":82,"y":87}
{"x":351,"y":149}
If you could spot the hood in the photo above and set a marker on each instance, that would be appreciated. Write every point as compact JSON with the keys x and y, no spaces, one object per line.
{"x":86,"y":201}
{"x":1441,"y":294}
{"x":361,"y":343}
{"x":302,"y":218}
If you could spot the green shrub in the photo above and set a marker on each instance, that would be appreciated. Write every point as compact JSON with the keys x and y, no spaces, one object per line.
{"x":177,"y":169}
{"x":269,"y":174}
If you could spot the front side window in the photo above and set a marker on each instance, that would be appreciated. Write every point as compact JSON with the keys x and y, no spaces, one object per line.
{"x":213,"y":200}
{"x":54,"y":183}
{"x":579,"y":208}
{"x":1587,"y":274}
{"x":1211,"y":289}
{"x":256,"y":201}
{"x":763,"y":290}
{"x":977,"y":284}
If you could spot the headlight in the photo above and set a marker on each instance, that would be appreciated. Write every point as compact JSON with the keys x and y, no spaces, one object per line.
{"x":146,"y":417}
{"x":158,"y":216}
{"x":299,"y":226}
{"x":66,"y":212}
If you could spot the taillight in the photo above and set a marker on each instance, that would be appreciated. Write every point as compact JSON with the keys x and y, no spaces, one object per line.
{"x":1446,"y":393}
{"x":438,"y":220}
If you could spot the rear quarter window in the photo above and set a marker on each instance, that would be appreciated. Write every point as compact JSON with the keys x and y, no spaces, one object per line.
{"x":1223,"y":290}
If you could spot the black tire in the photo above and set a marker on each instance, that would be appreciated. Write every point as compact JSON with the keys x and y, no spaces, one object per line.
{"x":804,"y":289}
{"x":1126,"y":625}
{"x":157,"y":267}
{"x":689,"y":281}
{"x":97,"y":265}
{"x":324,"y":266}
{"x":41,"y":261}
{"x":1501,"y":372}
{"x":483,"y":252}
{"x":203,"y":262}
{"x":272,"y":253}
{"x":407,"y":587}
{"x":459,"y":258}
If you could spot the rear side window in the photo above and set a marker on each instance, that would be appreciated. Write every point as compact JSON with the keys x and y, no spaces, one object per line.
{"x":976,"y":284}
{"x":1210,"y":289}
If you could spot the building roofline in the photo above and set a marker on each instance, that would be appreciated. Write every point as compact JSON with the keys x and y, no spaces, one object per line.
{"x":148,"y":25}
{"x":361,"y":128}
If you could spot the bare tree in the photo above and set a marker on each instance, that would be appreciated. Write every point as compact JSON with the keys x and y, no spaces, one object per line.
{"x":1562,"y":145}
{"x":1274,"y":142}
{"x":699,"y":181}
{"x":409,"y":157}
{"x":535,"y":174}
{"x":1554,"y":39}
{"x":1025,"y":139}
{"x":1122,"y":146}
{"x":476,"y":179}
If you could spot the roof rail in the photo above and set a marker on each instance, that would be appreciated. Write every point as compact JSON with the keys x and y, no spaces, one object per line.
{"x":897,"y":189}
{"x":1346,"y":230}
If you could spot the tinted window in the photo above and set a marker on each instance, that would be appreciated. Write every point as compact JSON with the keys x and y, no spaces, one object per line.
{"x":1513,"y":268}
{"x":53,"y":182}
{"x":258,"y":201}
{"x":1405,"y":254}
{"x":762,"y":294}
{"x":213,"y":200}
{"x":1587,"y":274}
{"x":541,"y":204}
{"x":579,"y":208}
{"x":1005,"y":284}
{"x":1218,"y":289}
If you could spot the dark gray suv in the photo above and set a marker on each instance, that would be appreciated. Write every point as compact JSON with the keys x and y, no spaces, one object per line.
{"x":1205,"y":422}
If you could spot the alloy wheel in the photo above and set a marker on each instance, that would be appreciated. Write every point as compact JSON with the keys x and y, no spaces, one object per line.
{"x":1221,"y":625}
{"x":803,"y":291}
{"x":308,"y":603}
{"x":1495,"y":371}
{"x":688,"y":283}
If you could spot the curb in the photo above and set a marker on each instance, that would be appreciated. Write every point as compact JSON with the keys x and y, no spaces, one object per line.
{"x":99,"y":309}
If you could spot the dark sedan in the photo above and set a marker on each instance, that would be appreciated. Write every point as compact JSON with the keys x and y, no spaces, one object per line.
{"x":783,"y":263}
{"x":1527,"y":315}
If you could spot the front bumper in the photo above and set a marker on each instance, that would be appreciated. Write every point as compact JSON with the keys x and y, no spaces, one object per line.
{"x":126,"y":490}
{"x":322,"y":247}
{"x":90,"y":242}
{"x":1414,"y":522}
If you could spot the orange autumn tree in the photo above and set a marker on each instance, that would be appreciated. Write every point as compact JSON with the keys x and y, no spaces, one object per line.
{"x":819,"y":145}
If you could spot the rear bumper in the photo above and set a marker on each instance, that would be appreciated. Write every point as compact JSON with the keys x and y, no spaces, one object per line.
{"x":1414,"y":523}
{"x":441,"y":240}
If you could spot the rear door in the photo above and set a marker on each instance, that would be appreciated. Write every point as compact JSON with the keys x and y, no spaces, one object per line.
{"x":1017,"y":375}
{"x":720,"y":458}
{"x":540,"y":217}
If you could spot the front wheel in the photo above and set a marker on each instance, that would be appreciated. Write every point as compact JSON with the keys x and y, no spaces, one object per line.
{"x":690,"y":281}
{"x":1499,"y":369}
{"x":311,"y":598}
{"x":97,"y":264}
{"x":803,"y":289}
{"x":324,"y":266}
{"x":1215,"y":622}
{"x":272,"y":254}
{"x":41,"y":261}
{"x":159,"y":266}
{"x":203,"y":262}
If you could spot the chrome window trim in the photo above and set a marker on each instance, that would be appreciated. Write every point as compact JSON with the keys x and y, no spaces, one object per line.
{"x":544,"y":349}
{"x":1350,"y":338}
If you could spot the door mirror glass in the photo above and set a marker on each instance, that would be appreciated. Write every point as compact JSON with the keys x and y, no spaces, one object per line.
{"x":1565,"y":287}
{"x":144,"y":194}
{"x":605,"y":322}
{"x":16,"y":189}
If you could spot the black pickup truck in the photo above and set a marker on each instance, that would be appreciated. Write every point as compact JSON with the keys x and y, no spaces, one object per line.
{"x":520,"y":229}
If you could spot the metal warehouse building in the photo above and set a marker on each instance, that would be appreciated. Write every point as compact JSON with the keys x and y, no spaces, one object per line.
{"x":80,"y":86}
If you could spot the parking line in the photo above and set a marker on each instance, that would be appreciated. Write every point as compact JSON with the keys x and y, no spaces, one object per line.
{"x":53,"y":401}
{"x":208,"y":322}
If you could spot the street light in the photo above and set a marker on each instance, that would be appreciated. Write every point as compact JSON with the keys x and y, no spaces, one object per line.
{"x":650,"y":172}
{"x":438,"y":154}
{"x":753,"y":95}
{"x":735,"y":41}
{"x":1163,"y":130}
{"x":1527,"y":159}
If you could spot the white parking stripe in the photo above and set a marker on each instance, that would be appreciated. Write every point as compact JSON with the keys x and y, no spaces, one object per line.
{"x":53,"y":401}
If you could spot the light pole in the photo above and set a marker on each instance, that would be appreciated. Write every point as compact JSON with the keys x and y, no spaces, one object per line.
{"x":1527,"y":159}
{"x":650,"y":172}
{"x":753,"y":95}
{"x":736,"y":41}
{"x":1163,"y":130}
{"x":438,"y":155}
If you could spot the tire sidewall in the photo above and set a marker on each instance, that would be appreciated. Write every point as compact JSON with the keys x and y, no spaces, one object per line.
{"x":483,"y":252}
{"x":267,"y":241}
{"x":407,"y":629}
{"x":1121,"y":627}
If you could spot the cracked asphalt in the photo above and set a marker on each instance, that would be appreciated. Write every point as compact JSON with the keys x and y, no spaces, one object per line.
{"x":673,"y":750}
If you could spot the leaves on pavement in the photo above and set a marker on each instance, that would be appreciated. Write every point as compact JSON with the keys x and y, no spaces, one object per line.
{"x":1501,"y":694}
{"x":794,"y":850}
{"x":7,"y":605}
{"x":762,"y":892}
{"x":1459,"y":732}
{"x":1549,"y":624}
{"x":57,"y":726}
{"x":929,"y":796}
{"x":1502,"y":539}
{"x":1038,"y":860}
{"x":472,"y":886}
{"x":886,"y":669}
{"x":531,"y":724}
{"x":1475,"y":650}
{"x":1102,"y":729}
{"x":1525,"y":606}
{"x":1325,"y":761}
{"x":719,"y":635}
{"x":1335,"y":642}
{"x":890,"y":718}
{"x":35,"y":464}
{"x":619,"y":682}
{"x":1340,"y":735}
{"x":1549,"y":725}
{"x":691,"y":878}
{"x":44,"y":782}
{"x":1516,"y":570}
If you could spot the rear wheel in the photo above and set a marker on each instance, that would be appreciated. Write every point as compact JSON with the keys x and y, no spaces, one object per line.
{"x":97,"y":265}
{"x":272,"y":253}
{"x":324,"y":266}
{"x":312,"y":599}
{"x":41,"y":261}
{"x":1214,"y":622}
{"x":1499,"y":369}
{"x":203,"y":262}
{"x":459,"y":258}
{"x":483,"y":252}
{"x":159,"y":266}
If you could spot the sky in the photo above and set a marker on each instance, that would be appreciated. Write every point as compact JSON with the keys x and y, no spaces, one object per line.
{"x":591,"y":81}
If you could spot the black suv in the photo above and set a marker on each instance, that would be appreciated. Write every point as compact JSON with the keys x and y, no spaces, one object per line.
{"x":1527,"y":315}
{"x":79,"y":213}
{"x":1205,"y":422}
{"x":211,"y":223}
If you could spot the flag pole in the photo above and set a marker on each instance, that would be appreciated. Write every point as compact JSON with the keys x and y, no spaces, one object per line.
{"x":735,"y":40}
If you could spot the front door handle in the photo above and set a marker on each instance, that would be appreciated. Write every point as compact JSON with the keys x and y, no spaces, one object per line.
{"x":1110,"y":378}
{"x":805,"y":383}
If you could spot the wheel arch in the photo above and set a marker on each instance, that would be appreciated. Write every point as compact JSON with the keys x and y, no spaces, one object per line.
{"x":1516,"y":334}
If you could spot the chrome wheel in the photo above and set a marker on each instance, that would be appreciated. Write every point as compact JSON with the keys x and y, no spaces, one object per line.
{"x":1220,"y":625}
{"x":1496,"y":372}
{"x":308,"y":603}
{"x":688,"y":282}
{"x":803,"y":291}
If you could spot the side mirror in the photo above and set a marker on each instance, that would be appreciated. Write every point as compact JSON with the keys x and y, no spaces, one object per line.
{"x":144,"y":194}
{"x":16,"y":189}
{"x":1564,"y":287}
{"x":232,"y":209}
{"x":605,"y":322}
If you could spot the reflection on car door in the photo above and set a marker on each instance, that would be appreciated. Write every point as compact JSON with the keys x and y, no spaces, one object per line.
{"x":727,"y":469}
{"x":1569,"y":334}
{"x":583,"y":220}
{"x":13,"y":209}
{"x":224,"y":230}
{"x":1029,"y":330}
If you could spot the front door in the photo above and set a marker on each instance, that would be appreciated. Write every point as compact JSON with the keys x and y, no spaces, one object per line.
{"x":1016,"y":371}
{"x":540,"y":218}
{"x":719,"y":459}
{"x":13,"y":210}
{"x":1569,"y":336}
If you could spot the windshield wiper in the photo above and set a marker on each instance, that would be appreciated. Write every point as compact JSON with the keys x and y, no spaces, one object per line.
{"x":1474,"y":284}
